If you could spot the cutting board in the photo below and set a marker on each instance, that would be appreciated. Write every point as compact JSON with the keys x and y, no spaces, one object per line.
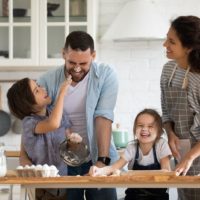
{"x":148,"y":173}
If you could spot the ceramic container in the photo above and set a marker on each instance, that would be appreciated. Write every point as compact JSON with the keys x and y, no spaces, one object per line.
{"x":120,"y":137}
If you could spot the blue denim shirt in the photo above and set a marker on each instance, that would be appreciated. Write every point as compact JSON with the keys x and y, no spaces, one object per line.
{"x":101,"y":98}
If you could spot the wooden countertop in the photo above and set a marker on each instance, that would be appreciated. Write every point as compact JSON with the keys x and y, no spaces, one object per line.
{"x":130,"y":179}
{"x":12,"y":153}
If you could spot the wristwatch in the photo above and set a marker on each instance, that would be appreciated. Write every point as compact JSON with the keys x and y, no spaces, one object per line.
{"x":104,"y":160}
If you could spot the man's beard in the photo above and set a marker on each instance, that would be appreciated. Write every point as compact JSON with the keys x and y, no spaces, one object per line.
{"x":77,"y":78}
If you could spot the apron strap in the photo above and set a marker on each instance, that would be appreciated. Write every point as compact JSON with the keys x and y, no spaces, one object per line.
{"x":185,"y":80}
{"x":172,"y":75}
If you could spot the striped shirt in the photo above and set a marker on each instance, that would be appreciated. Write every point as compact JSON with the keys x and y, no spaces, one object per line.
{"x":193,"y":92}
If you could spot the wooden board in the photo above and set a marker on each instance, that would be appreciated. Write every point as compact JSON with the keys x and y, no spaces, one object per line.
{"x":12,"y":153}
{"x":148,"y":173}
{"x":134,"y":181}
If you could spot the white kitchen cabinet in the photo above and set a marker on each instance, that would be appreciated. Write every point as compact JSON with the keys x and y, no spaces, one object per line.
{"x":36,"y":37}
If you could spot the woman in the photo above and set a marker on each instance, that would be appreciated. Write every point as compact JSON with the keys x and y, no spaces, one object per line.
{"x":180,"y":97}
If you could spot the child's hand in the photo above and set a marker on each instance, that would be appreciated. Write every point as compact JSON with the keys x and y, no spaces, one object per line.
{"x":65,"y":85}
{"x":96,"y":171}
{"x":74,"y":137}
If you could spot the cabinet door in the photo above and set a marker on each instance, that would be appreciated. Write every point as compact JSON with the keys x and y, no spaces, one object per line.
{"x":57,"y":19}
{"x":18,"y":31}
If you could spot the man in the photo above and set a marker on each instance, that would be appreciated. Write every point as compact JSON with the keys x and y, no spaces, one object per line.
{"x":89,"y":104}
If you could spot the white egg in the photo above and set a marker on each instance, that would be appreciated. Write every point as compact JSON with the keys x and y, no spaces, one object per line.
{"x":46,"y":170}
{"x":38,"y":167}
{"x":32,"y":167}
{"x":27,"y":167}
{"x":53,"y":167}
{"x":20,"y":167}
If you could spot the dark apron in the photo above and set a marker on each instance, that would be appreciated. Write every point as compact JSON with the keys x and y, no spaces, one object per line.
{"x":180,"y":113}
{"x":146,"y":193}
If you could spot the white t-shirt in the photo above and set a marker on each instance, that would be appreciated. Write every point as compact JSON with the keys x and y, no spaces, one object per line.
{"x":75,"y":107}
{"x":162,"y":150}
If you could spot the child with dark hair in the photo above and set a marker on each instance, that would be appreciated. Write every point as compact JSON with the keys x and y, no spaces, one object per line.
{"x":43,"y":129}
{"x":148,"y":152}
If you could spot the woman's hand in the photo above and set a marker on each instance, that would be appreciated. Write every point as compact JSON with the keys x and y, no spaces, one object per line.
{"x":188,"y":159}
{"x":174,"y":144}
{"x":183,"y":167}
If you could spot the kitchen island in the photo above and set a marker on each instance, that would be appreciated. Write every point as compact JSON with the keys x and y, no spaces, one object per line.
{"x":129,"y":179}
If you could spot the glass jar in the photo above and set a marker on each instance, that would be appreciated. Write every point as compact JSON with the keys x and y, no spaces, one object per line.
{"x":3,"y":166}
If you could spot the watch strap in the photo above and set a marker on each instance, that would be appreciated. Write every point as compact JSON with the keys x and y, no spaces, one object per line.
{"x":104,"y":160}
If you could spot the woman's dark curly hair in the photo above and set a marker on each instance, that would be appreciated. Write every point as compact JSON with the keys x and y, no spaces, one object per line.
{"x":187,"y":29}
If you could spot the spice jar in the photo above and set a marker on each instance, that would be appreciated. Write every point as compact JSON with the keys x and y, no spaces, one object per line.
{"x":3,"y":166}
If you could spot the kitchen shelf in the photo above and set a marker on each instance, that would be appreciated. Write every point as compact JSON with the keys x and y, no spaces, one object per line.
{"x":71,"y":19}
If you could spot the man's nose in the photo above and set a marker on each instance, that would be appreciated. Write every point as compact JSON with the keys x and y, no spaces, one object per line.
{"x":77,"y":68}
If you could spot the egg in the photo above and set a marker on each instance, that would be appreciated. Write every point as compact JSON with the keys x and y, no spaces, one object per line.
{"x":45,"y":170}
{"x":27,"y":167}
{"x":53,"y":171}
{"x":20,"y":167}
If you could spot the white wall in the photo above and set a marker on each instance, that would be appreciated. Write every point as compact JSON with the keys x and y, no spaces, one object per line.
{"x":138,"y":64}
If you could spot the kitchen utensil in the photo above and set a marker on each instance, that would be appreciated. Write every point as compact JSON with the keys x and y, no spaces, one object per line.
{"x":17,"y":126}
{"x":51,"y":7}
{"x":74,"y":154}
{"x":4,"y":54}
{"x":19,"y":12}
{"x":120,"y":137}
{"x":5,"y":120}
{"x":3,"y":165}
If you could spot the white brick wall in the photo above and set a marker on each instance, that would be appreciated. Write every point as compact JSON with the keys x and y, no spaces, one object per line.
{"x":138,"y":65}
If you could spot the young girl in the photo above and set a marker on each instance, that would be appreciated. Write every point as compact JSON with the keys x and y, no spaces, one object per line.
{"x":43,"y":129}
{"x":148,"y":152}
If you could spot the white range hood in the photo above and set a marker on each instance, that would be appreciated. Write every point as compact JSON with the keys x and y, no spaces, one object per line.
{"x":137,"y":20}
{"x":147,"y":19}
